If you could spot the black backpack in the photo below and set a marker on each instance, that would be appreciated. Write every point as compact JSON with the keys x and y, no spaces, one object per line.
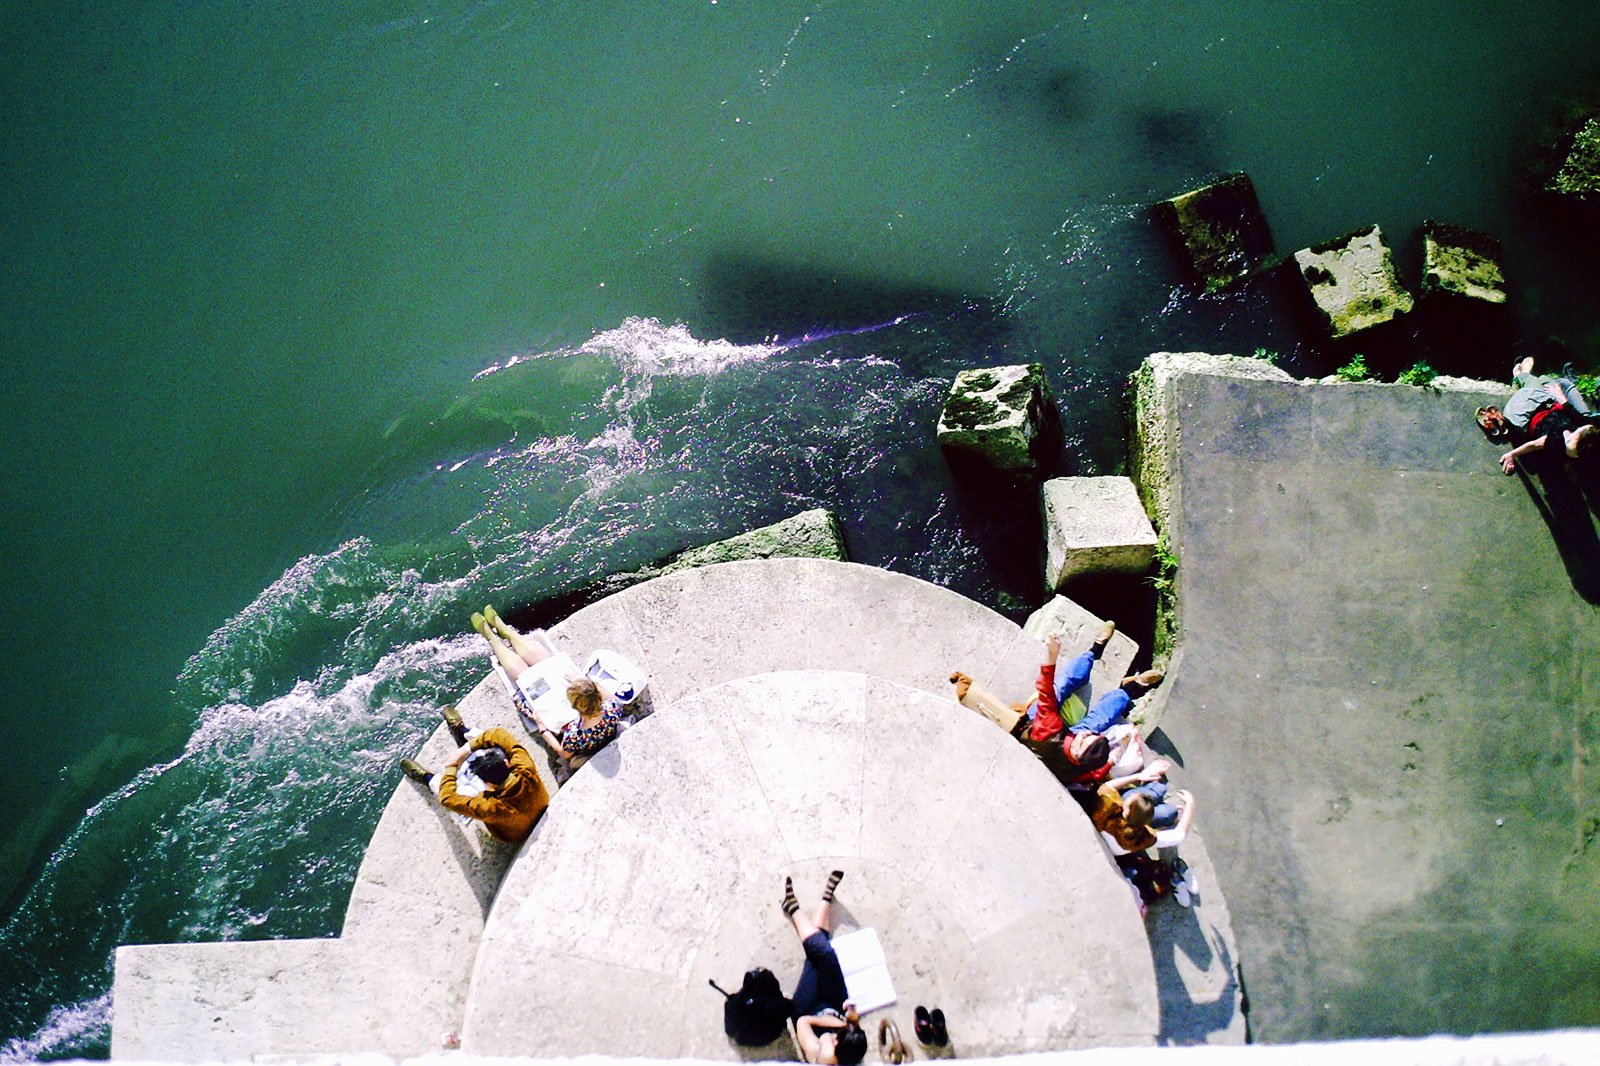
{"x":755,"y":1015}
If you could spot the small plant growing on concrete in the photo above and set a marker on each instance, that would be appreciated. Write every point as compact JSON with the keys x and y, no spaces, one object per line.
{"x":1166,"y":575}
{"x":1268,"y":355}
{"x":1354,"y":370}
{"x":1421,"y":375}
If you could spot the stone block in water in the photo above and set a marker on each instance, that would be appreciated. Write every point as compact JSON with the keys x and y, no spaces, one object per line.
{"x":1352,"y":283}
{"x":996,"y":413}
{"x":813,"y":534}
{"x":1220,"y":228}
{"x":1579,"y":173}
{"x":1094,"y":525}
{"x":1461,"y":262}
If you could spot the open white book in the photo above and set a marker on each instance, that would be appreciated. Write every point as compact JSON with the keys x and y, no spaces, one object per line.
{"x":866,"y":970}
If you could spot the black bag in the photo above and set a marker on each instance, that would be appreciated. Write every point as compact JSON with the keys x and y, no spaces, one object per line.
{"x":755,"y":1015}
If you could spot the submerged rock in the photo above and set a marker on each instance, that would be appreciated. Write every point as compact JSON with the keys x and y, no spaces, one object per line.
{"x":813,"y":534}
{"x":1094,"y":525}
{"x":1579,"y":174}
{"x":1463,"y":262}
{"x":996,"y":413}
{"x":1220,"y":227}
{"x":1352,"y":282}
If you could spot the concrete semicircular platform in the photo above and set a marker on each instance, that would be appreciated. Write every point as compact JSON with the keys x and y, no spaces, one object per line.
{"x":661,"y":865}
{"x":401,"y":974}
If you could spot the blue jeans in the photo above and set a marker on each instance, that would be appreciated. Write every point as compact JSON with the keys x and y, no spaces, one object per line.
{"x":1166,"y":815}
{"x":1074,"y":677}
{"x":1104,"y":712}
{"x":821,"y":981}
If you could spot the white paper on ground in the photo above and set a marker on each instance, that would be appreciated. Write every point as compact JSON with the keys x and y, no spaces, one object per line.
{"x":866,"y":970}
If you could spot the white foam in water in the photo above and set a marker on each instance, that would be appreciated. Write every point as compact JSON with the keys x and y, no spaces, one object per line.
{"x":68,"y":1030}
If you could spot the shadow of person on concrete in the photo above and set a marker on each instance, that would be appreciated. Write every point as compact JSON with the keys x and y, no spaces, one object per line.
{"x":1185,"y":1019}
{"x":482,"y":872}
{"x":1568,"y":506}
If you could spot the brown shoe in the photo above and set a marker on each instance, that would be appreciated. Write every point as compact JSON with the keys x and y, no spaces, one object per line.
{"x":452,"y":718}
{"x":1102,"y":637}
{"x":962,"y":683}
{"x":1139,"y":684}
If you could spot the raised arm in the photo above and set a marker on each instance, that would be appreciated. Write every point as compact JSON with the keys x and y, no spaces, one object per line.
{"x":1508,"y":461}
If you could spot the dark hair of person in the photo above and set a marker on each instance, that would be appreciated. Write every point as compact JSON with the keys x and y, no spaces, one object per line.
{"x":1139,"y":809}
{"x":491,"y":765}
{"x":851,"y":1047}
{"x":1096,"y":752}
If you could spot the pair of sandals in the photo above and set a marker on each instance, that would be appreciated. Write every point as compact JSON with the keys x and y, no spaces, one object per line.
{"x":1493,"y":423}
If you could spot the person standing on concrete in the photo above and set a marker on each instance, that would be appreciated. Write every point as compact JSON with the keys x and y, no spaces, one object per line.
{"x":513,"y":797}
{"x":825,"y":1025}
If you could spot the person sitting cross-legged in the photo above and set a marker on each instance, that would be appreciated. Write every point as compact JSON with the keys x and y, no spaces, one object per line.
{"x":513,"y":797}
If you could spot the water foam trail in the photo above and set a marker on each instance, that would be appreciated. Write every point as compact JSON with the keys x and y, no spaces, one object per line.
{"x":74,"y":1029}
{"x":304,"y":700}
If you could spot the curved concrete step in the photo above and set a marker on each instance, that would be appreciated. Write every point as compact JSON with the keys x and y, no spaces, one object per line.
{"x":427,"y":881}
{"x":663,"y":862}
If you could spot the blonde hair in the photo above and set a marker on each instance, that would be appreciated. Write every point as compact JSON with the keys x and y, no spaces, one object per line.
{"x":584,"y":695}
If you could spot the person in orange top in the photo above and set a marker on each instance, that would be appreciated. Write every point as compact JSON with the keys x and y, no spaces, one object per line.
{"x":514,"y":797}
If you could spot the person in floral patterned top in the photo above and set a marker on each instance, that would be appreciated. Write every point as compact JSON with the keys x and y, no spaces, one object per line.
{"x":597,"y":724}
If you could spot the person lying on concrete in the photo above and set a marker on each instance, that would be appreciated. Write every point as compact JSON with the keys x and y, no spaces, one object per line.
{"x":1538,"y":395}
{"x":599,"y":712}
{"x":1563,"y":437}
{"x":825,"y":1025}
{"x":1044,"y":711}
{"x":512,"y":798}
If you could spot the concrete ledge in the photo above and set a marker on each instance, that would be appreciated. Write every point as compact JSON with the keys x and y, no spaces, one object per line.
{"x":1356,"y":576}
{"x":418,"y":907}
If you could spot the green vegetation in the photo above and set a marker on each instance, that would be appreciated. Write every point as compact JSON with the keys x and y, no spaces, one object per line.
{"x":1166,"y":576}
{"x":1589,"y":386}
{"x":1267,"y":355}
{"x":1421,"y":374}
{"x":1354,"y":370}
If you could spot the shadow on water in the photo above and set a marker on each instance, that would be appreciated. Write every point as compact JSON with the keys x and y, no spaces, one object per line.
{"x":1181,"y":139}
{"x":749,"y":299}
{"x":1001,"y":516}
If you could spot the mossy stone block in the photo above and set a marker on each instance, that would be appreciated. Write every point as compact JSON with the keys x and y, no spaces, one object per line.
{"x":996,"y":413}
{"x":1351,"y":281}
{"x":1461,"y":262}
{"x":813,"y":534}
{"x":1220,"y":228}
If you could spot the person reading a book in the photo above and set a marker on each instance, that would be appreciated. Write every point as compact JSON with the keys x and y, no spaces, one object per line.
{"x":826,"y":1026}
{"x":599,"y":713}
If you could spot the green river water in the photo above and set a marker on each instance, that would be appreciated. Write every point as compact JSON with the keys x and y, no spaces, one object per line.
{"x":722,"y":259}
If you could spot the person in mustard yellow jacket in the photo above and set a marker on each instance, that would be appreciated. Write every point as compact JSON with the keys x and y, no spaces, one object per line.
{"x":513,"y":798}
